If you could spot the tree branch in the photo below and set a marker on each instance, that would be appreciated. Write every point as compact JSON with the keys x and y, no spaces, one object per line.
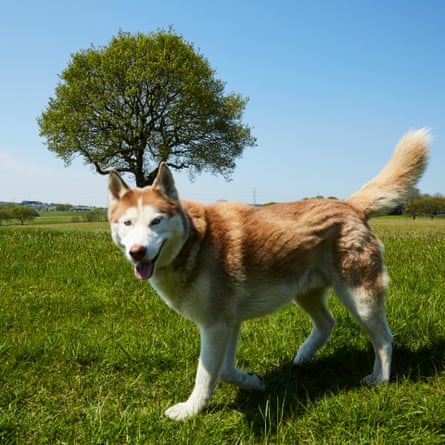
{"x":100,"y":170}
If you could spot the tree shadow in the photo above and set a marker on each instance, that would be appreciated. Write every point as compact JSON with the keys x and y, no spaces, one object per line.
{"x":291,"y":389}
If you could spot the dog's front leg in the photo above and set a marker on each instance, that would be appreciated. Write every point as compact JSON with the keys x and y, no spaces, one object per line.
{"x":213,"y":345}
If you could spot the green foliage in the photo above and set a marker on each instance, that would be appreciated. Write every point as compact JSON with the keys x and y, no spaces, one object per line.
{"x":93,"y":215}
{"x":426,"y":205}
{"x":96,"y":215}
{"x":4,"y":215}
{"x":141,"y":100}
{"x":63,"y":207}
{"x":23,"y":213}
{"x":90,"y":355}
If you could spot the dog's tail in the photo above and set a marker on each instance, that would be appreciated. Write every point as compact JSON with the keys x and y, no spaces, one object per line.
{"x":391,"y":186}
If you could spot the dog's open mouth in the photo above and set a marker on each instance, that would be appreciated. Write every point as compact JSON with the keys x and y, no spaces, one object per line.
{"x":144,"y":271}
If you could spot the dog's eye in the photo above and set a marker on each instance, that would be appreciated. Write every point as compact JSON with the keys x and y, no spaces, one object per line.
{"x":127,"y":222}
{"x":156,"y":221}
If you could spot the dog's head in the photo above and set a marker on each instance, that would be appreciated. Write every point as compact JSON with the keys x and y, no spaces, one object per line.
{"x":147,"y":224}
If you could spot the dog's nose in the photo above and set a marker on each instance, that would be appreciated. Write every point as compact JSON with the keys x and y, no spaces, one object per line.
{"x":138,"y":252}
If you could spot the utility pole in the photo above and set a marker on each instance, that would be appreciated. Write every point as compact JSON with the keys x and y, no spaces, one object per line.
{"x":254,"y":196}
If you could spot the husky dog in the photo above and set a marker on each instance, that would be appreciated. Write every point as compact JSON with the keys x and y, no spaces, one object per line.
{"x":220,"y":264}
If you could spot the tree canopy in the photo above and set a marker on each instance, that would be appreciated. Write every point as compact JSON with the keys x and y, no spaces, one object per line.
{"x":424,"y":204}
{"x":23,"y":213}
{"x":143,"y":99}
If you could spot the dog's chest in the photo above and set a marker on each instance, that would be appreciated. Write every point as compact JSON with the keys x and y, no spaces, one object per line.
{"x":188,"y":299}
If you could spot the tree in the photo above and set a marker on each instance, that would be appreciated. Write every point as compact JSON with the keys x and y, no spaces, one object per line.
{"x":424,"y":204}
{"x":63,"y":207}
{"x":412,"y":202}
{"x":23,"y":213}
{"x":4,"y":214}
{"x":141,"y":100}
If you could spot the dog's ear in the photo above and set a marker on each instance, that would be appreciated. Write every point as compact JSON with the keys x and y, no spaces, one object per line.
{"x":165,"y":183}
{"x":116,"y":188}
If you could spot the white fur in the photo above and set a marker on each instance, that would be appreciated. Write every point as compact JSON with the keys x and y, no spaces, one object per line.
{"x":134,"y":229}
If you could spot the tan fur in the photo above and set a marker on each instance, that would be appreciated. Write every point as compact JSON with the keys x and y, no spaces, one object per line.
{"x":392,"y":184}
{"x":223,"y":263}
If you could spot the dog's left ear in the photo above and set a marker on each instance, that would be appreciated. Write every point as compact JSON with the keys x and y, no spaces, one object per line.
{"x":165,"y":183}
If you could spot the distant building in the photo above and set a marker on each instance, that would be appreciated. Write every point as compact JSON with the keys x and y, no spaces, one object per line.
{"x":38,"y":205}
{"x":81,"y":208}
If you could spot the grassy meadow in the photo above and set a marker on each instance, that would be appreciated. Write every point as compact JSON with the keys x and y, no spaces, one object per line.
{"x":89,"y":355}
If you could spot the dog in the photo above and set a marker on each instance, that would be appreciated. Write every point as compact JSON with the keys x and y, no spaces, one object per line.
{"x":220,"y":264}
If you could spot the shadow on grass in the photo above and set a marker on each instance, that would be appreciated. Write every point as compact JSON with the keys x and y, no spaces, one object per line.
{"x":419,"y":364}
{"x":291,"y":390}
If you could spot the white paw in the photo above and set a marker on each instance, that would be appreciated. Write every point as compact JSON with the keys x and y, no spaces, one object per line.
{"x":303,"y":356}
{"x":372,"y":379}
{"x":180,"y":411}
{"x":255,"y":382}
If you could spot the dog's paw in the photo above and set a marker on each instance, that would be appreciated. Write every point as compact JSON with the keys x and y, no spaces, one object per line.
{"x":372,"y":379}
{"x":303,"y":356}
{"x":180,"y":411}
{"x":254,"y":382}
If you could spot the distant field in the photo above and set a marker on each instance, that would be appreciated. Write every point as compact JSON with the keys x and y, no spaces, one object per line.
{"x":407,"y":224}
{"x":48,"y":218}
{"x":59,"y":220}
{"x":89,"y":355}
{"x":56,"y":217}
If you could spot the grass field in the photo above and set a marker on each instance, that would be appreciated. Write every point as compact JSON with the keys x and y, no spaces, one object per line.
{"x":89,"y":355}
{"x":53,"y":219}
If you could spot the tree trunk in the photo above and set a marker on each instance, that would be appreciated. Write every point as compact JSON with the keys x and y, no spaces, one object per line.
{"x":143,"y":181}
{"x":152,"y":176}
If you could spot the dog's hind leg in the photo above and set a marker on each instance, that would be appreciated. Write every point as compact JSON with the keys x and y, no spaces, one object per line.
{"x":314,"y":303}
{"x":230,"y":374}
{"x":367,"y":305}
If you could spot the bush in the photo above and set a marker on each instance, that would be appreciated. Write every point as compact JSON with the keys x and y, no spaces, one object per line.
{"x":96,"y":215}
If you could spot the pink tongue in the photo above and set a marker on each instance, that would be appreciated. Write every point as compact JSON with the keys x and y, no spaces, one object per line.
{"x":143,"y":271}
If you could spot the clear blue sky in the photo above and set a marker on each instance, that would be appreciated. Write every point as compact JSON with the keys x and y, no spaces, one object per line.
{"x":333,"y":85}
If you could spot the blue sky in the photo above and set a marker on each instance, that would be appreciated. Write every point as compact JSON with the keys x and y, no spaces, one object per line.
{"x":332,"y":85}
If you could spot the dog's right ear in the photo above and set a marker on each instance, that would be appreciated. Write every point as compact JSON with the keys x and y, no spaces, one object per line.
{"x":116,"y":188}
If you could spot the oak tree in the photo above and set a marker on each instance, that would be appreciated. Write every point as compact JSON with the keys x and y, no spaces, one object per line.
{"x":143,"y":99}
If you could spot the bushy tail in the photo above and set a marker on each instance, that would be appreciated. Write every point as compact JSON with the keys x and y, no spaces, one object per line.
{"x":391,"y":186}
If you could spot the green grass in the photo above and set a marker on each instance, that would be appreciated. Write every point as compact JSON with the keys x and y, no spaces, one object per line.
{"x":90,"y":355}
{"x":54,"y":219}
